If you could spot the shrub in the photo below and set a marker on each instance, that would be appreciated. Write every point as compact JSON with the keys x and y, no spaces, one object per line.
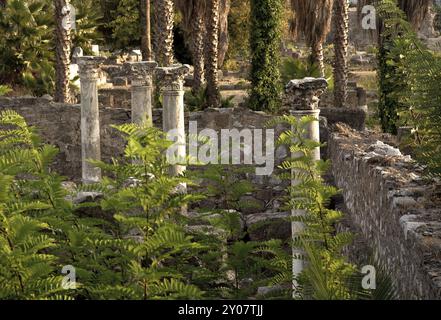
{"x":327,"y":273}
{"x":26,"y":55}
{"x":265,"y":37}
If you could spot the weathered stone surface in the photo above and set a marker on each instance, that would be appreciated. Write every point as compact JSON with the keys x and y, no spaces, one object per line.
{"x":304,"y":94}
{"x":393,"y":209}
{"x":90,"y":125}
{"x":268,"y":225}
{"x":59,"y":125}
{"x":354,"y":117}
{"x":115,"y":97}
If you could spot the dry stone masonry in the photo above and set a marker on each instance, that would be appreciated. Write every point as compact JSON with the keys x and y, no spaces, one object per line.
{"x":396,"y":210}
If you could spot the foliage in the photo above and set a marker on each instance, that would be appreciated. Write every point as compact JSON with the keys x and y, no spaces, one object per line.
{"x":417,"y":99}
{"x":265,"y":37}
{"x":125,"y":24}
{"x":326,"y":273}
{"x":227,"y":186}
{"x":4,"y":90}
{"x":390,"y":81}
{"x":139,"y":254}
{"x":238,"y":22}
{"x":27,"y":265}
{"x":196,"y":101}
{"x":26,"y":53}
{"x":27,"y":42}
{"x":139,"y":246}
{"x":88,"y":21}
{"x":298,"y":69}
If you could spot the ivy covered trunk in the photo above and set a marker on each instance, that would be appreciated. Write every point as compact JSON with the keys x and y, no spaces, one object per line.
{"x":198,"y":36}
{"x":165,"y":22}
{"x":388,"y":105}
{"x":341,"y":20}
{"x":63,"y":48}
{"x":211,"y":53}
{"x":265,"y":42}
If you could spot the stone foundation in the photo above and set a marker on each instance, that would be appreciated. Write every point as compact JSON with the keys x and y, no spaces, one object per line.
{"x":396,"y":210}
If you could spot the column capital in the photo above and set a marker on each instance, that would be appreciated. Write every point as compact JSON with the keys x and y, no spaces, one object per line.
{"x":89,"y":67}
{"x":304,"y":94}
{"x":140,"y":73}
{"x":172,"y":78}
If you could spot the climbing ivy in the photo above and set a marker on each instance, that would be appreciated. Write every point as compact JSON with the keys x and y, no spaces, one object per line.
{"x":390,"y":80}
{"x":265,"y":36}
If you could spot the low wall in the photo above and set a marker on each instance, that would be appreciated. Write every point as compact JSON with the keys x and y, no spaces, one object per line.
{"x":59,"y":124}
{"x":396,"y":210}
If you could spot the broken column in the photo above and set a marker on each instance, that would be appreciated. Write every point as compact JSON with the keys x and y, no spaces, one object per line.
{"x":171,"y":80}
{"x":141,"y":74}
{"x":302,"y":98}
{"x":90,"y":122}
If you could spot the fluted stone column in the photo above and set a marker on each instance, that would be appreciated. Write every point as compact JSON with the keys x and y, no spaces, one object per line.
{"x":303,"y":97}
{"x":90,"y":117}
{"x":171,"y":80}
{"x":141,"y":74}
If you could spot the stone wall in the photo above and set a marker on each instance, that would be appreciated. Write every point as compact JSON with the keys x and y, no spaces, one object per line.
{"x":394,"y":210}
{"x":59,"y":124}
{"x":397,"y":212}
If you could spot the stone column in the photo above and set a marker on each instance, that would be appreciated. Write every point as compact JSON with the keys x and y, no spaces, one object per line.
{"x":141,"y":74}
{"x":303,"y":97}
{"x":90,"y":117}
{"x":171,"y":80}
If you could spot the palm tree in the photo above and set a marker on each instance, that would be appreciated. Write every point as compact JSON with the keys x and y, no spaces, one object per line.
{"x":224,"y":10}
{"x":63,"y":48}
{"x":146,"y":43}
{"x":415,"y":10}
{"x":341,"y":22}
{"x":193,"y":14}
{"x":164,"y":16}
{"x":313,"y":21}
{"x":211,"y":52}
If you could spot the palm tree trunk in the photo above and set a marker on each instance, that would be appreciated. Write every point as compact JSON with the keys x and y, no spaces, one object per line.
{"x":211,"y":53}
{"x":165,"y":15}
{"x":63,"y":48}
{"x":341,"y":20}
{"x":198,"y":28}
{"x":317,"y":57}
{"x":146,"y":42}
{"x":224,"y":10}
